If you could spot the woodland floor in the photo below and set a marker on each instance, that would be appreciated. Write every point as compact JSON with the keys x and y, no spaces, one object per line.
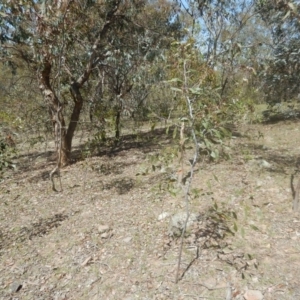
{"x":105,"y":236}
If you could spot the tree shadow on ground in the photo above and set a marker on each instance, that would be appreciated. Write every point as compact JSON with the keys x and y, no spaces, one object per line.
{"x":280,"y":159}
{"x":274,"y":117}
{"x":37,"y":229}
{"x":145,"y":141}
{"x":210,"y":232}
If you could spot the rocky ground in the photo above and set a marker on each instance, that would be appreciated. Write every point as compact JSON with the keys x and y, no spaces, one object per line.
{"x":107,"y":235}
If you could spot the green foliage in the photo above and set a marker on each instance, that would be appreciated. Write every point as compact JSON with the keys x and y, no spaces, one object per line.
{"x":141,"y":62}
{"x":94,"y":144}
{"x":194,"y":86}
{"x":7,"y":151}
{"x":223,"y":215}
{"x":96,"y":51}
{"x":281,"y":70}
{"x":163,"y":160}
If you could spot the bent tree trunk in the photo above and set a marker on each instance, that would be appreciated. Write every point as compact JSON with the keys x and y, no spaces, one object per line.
{"x":63,"y":136}
{"x":55,"y":108}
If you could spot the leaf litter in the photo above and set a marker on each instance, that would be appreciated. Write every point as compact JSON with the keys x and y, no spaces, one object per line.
{"x":243,"y":244}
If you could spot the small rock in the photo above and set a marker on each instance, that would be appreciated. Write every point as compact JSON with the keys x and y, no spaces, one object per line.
{"x":128,"y":239}
{"x":103,"y":228}
{"x":264,"y":164}
{"x":163,"y":216}
{"x":253,"y":295}
{"x":105,"y":235}
{"x":177,"y":223}
{"x":15,"y":286}
{"x":259,"y":183}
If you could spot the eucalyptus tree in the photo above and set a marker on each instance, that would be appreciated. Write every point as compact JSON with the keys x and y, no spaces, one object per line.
{"x":64,"y":43}
{"x":219,"y":27}
{"x":282,"y":67}
{"x":126,"y":79}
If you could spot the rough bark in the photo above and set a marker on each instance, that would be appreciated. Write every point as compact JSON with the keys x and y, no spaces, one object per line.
{"x":118,"y":125}
{"x":78,"y":103}
{"x":55,"y":107}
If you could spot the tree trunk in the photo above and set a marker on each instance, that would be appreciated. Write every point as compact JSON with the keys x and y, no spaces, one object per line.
{"x":63,"y":137}
{"x":118,"y":124}
{"x":55,"y":107}
{"x":78,"y":103}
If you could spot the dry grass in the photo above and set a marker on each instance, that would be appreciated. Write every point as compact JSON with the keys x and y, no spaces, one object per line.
{"x":54,"y":244}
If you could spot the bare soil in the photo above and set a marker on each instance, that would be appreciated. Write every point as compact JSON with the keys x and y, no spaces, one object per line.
{"x":107,"y":234}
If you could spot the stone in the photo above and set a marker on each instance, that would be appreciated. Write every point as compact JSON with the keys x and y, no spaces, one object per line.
{"x":264,"y":164}
{"x":177,"y":223}
{"x":103,"y":229}
{"x":105,"y":235}
{"x":163,"y":216}
{"x":253,"y":295}
{"x":15,"y":286}
{"x":127,"y":239}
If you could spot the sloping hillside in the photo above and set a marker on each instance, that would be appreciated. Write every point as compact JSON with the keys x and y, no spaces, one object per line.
{"x":107,"y":235}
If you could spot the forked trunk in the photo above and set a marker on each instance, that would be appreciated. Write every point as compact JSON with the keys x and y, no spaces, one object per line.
{"x":63,"y":137}
{"x":55,"y":108}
